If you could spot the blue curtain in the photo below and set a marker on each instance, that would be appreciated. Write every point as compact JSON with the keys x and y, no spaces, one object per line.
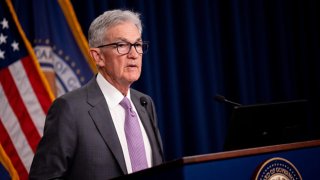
{"x":256,"y":51}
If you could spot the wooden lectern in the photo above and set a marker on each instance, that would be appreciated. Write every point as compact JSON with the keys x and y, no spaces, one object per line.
{"x":241,"y":164}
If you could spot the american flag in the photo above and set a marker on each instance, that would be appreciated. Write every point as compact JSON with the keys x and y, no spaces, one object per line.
{"x":24,"y":94}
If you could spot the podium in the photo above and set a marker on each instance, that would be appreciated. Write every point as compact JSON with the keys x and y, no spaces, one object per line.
{"x":241,"y":164}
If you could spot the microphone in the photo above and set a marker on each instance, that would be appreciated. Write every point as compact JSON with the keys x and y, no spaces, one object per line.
{"x":222,"y":99}
{"x":143,"y":101}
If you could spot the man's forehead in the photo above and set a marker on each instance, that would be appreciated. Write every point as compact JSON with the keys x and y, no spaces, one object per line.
{"x":117,"y":33}
{"x":123,"y":38}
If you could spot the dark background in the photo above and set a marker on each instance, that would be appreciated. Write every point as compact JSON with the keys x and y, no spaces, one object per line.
{"x":257,"y":51}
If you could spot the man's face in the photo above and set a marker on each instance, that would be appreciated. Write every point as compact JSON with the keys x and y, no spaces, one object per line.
{"x":121,"y":69}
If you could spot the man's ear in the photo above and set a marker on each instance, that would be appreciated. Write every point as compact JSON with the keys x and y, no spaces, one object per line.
{"x":97,"y":57}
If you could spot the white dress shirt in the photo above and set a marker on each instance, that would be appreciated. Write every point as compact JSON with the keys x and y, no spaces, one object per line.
{"x":113,"y":98}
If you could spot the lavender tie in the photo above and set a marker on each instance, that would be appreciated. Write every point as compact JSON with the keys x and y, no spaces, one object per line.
{"x":133,"y":133}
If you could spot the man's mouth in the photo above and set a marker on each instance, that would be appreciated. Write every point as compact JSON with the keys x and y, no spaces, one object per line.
{"x":132,"y":66}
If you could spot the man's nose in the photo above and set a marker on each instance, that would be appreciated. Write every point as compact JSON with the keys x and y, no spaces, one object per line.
{"x":133,"y":52}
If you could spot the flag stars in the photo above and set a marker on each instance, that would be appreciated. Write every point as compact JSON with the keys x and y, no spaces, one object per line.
{"x":67,"y":58}
{"x":82,"y":79}
{"x":15,"y":46}
{"x":5,"y":24}
{"x":47,"y":41}
{"x":3,"y":38}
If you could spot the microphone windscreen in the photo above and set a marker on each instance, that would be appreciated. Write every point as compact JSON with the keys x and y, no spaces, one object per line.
{"x":143,"y":101}
{"x":219,"y":98}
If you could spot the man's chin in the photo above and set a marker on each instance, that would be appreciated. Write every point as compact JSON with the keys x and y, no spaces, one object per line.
{"x":132,"y":79}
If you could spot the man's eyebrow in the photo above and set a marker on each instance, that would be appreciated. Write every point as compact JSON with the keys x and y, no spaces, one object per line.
{"x":126,"y":40}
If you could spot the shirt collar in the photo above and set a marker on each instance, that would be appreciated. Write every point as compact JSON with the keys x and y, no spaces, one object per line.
{"x":112,"y":95}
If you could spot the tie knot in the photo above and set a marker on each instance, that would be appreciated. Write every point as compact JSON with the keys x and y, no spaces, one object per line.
{"x":125,"y":103}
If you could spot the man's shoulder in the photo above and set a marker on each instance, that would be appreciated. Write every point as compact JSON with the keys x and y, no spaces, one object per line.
{"x":139,"y":94}
{"x":140,"y":97}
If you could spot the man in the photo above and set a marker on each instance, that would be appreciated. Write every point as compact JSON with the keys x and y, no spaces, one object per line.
{"x":87,"y":132}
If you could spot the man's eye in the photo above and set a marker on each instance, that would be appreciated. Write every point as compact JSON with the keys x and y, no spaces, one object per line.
{"x":121,"y":45}
{"x":138,"y":44}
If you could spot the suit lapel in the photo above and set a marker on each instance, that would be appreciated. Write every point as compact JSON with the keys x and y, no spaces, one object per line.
{"x":146,"y":121}
{"x":101,"y":116}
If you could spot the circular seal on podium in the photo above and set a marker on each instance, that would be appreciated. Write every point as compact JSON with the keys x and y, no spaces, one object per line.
{"x":278,"y":169}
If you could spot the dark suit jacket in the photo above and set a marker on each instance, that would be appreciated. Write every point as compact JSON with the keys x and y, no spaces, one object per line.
{"x":80,"y":140}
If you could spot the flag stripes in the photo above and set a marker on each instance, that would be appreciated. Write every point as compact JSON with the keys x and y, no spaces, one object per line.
{"x":9,"y":147}
{"x":22,"y":116}
{"x":33,"y":96}
{"x":18,"y":106}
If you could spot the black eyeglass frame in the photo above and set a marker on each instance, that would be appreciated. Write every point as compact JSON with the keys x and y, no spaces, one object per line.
{"x":144,"y":44}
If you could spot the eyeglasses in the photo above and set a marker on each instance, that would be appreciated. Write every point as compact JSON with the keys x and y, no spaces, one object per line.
{"x":125,"y":47}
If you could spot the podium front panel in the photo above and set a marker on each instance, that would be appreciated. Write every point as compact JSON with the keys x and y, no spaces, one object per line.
{"x":306,"y":160}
